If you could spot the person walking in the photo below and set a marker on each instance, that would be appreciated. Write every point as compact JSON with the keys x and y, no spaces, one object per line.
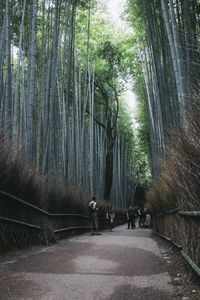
{"x":110,"y":216}
{"x":93,"y":211}
{"x":142,"y":218}
{"x":130,"y":218}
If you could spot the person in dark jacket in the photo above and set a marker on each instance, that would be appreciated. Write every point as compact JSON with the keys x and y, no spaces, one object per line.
{"x":130,"y":215}
{"x":110,"y":216}
{"x":142,"y":217}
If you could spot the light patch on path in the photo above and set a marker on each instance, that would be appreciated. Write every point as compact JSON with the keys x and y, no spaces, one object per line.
{"x":86,"y":264}
{"x":146,"y":243}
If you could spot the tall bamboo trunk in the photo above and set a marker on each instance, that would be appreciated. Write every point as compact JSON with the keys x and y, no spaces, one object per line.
{"x":8,"y":79}
{"x":16,"y":113}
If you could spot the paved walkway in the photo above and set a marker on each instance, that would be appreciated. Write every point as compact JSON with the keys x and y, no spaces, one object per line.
{"x":124,"y":264}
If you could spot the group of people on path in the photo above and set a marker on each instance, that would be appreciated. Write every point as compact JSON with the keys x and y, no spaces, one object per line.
{"x":132,"y":215}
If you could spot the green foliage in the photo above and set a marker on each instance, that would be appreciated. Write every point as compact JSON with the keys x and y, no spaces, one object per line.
{"x":110,"y":53}
{"x":108,"y":65}
{"x":135,"y":141}
{"x":83,"y":4}
{"x":134,"y":49}
{"x":117,"y":56}
{"x":125,"y":126}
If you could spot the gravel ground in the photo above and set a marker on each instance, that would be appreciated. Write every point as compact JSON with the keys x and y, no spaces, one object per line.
{"x":119,"y":265}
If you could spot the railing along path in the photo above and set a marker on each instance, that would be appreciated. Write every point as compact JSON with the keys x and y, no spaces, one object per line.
{"x":77,"y":221}
{"x":187,"y":214}
{"x":60,"y":222}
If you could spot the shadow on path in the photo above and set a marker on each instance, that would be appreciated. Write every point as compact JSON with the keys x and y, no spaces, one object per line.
{"x":123,"y":264}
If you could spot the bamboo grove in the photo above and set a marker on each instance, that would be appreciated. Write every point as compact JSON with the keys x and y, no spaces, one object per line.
{"x":60,"y":97}
{"x":63,"y":69}
{"x":166,"y":66}
{"x":167,"y":47}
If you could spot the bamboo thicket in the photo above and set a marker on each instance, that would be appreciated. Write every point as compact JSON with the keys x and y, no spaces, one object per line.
{"x":48,"y":98}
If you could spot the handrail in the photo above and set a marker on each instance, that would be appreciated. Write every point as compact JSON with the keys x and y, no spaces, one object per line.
{"x":170,"y":240}
{"x":186,"y":213}
{"x":71,"y":228}
{"x":68,"y":215}
{"x":49,"y":215}
{"x":49,"y":222}
{"x":182,"y":213}
{"x":19,"y":222}
{"x":191,"y":263}
{"x":24,"y":202}
{"x":43,"y":212}
{"x":38,"y":227}
{"x":169,"y":212}
{"x":189,"y":213}
{"x":185,"y":256}
{"x":39,"y":209}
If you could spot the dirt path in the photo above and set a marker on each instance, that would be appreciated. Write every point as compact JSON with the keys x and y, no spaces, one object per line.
{"x":123,"y":264}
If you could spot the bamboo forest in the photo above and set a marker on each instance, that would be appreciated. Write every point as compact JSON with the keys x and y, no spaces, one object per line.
{"x":101,"y":101}
{"x":63,"y":71}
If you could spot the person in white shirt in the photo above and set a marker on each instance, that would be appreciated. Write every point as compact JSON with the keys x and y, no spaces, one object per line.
{"x":93,"y":211}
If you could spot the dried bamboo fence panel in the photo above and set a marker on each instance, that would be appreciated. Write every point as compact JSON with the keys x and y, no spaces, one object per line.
{"x":182,"y":228}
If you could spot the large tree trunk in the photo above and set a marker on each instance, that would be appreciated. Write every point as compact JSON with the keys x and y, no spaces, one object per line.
{"x":109,"y":161}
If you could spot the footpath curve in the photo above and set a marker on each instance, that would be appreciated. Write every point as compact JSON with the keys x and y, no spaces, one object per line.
{"x":123,"y":264}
